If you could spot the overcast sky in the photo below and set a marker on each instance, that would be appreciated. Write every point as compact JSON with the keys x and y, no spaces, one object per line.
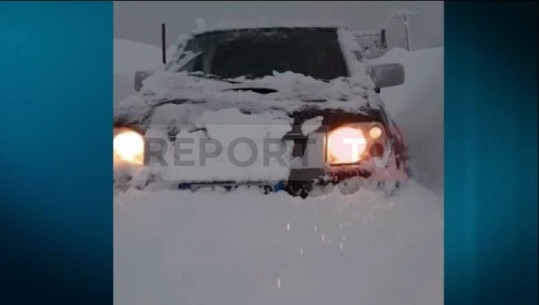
{"x":141,"y":21}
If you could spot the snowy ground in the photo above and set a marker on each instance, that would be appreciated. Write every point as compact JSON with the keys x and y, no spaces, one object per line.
{"x":246,"y":248}
{"x":243,"y":247}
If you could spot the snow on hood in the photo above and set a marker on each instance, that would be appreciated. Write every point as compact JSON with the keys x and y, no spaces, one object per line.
{"x":289,"y":86}
{"x":223,"y":110}
{"x":286,"y":91}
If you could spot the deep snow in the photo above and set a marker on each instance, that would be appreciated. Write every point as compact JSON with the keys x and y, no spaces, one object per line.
{"x":176,"y":247}
{"x":243,"y":247}
{"x":418,"y":108}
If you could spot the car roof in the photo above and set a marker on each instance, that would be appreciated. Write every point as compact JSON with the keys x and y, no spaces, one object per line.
{"x":246,"y":29}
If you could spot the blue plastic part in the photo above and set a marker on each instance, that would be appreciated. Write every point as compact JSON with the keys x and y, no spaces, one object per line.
{"x":184,"y":186}
{"x":279,"y":186}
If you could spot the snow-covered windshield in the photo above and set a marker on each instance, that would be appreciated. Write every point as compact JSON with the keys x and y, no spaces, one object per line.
{"x":254,"y":53}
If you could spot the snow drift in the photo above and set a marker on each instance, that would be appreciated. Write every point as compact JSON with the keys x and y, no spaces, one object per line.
{"x":418,"y":108}
{"x":130,"y":57}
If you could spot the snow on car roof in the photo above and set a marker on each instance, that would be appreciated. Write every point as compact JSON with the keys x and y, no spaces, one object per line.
{"x":251,"y":28}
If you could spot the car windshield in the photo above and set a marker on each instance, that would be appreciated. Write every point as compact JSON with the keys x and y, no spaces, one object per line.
{"x":255,"y":53}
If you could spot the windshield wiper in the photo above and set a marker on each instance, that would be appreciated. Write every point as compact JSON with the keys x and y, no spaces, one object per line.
{"x":212,"y":76}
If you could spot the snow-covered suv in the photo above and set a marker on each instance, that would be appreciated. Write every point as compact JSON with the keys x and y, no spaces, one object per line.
{"x":309,"y":88}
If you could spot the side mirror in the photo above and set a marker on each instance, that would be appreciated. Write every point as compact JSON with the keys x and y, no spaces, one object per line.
{"x":140,"y":76}
{"x":387,"y":75}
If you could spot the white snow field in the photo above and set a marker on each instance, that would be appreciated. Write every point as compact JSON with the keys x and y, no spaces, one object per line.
{"x":244,"y":247}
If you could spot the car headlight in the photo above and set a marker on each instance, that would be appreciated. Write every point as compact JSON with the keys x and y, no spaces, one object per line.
{"x":349,"y":144}
{"x":345,"y":145}
{"x":128,"y":146}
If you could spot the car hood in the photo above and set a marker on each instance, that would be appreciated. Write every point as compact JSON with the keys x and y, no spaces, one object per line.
{"x":283,"y":92}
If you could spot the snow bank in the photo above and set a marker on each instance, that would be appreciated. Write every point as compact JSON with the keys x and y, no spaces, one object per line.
{"x":178,"y":247}
{"x":123,"y":87}
{"x":417,"y":107}
{"x":130,"y":57}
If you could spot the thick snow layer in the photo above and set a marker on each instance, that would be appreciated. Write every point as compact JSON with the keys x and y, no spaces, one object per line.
{"x":289,"y":91}
{"x":417,"y":107}
{"x":241,"y":247}
{"x":350,"y":47}
{"x":312,"y":125}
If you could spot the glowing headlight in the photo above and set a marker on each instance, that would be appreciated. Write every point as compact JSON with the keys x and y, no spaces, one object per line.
{"x":345,"y":145}
{"x":129,"y":146}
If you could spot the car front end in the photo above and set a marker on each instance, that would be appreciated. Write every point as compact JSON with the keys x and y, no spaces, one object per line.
{"x":320,"y":108}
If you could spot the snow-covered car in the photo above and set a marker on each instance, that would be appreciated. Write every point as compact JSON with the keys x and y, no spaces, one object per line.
{"x":309,"y":88}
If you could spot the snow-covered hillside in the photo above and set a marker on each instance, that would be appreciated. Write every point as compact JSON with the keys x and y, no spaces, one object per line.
{"x":130,"y":57}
